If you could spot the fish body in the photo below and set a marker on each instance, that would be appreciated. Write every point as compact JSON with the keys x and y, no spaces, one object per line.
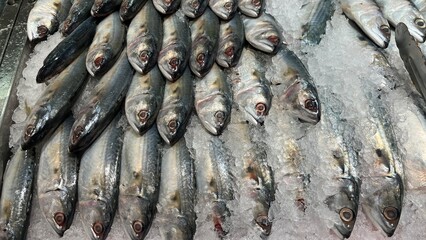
{"x":139,"y":181}
{"x":420,"y":5}
{"x":231,"y":42}
{"x":224,"y":9}
{"x":79,"y":11}
{"x":102,"y":8}
{"x":15,"y":201}
{"x":144,"y":99}
{"x":176,"y":108}
{"x":144,"y":39}
{"x":251,"y":8}
{"x":57,"y":179}
{"x":174,"y":55}
{"x":320,"y":15}
{"x":55,"y":103}
{"x":106,"y":45}
{"x":98,"y":180}
{"x":129,"y":9}
{"x":193,"y":8}
{"x":103,"y":104}
{"x":166,"y":6}
{"x":263,"y":33}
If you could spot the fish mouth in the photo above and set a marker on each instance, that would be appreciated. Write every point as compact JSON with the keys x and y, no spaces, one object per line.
{"x":378,"y":217}
{"x":380,"y":35}
{"x":417,"y":29}
{"x":251,"y":11}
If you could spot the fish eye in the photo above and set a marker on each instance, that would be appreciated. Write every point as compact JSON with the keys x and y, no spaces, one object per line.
{"x":390,"y":213}
{"x":256,"y":3}
{"x":201,"y":58}
{"x":311,"y":105}
{"x":229,"y":51}
{"x":99,"y":61}
{"x":220,"y":117}
{"x":173,"y":125}
{"x":174,"y":63}
{"x":261,"y":109}
{"x":346,"y":214}
{"x":42,"y":30}
{"x":98,"y":228}
{"x":29,"y":131}
{"x":274,"y":39}
{"x":59,"y":218}
{"x":385,"y":29}
{"x":144,"y":56}
{"x":137,"y":227}
{"x":168,"y":1}
{"x":195,"y":4}
{"x":228,"y":5}
{"x":143,"y":116}
{"x":419,"y":22}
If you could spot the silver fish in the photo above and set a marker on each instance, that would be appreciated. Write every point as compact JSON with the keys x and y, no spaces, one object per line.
{"x":204,"y":38}
{"x":231,"y":42}
{"x":397,"y":11}
{"x":320,"y":15}
{"x":251,"y":89}
{"x":129,"y":9}
{"x":177,"y":193}
{"x":166,"y":6}
{"x":103,"y":8}
{"x":420,"y":5}
{"x":98,"y":180}
{"x":263,"y":33}
{"x":144,"y":99}
{"x":213,"y":101}
{"x":193,"y":8}
{"x":144,"y":39}
{"x":45,"y":17}
{"x":367,"y":15}
{"x":55,"y":103}
{"x":139,"y":181}
{"x":57,"y":179}
{"x":224,"y":9}
{"x":104,"y":103}
{"x":79,"y":11}
{"x":176,"y":108}
{"x":300,"y":95}
{"x":251,"y":8}
{"x":15,"y":201}
{"x":106,"y":45}
{"x":174,"y":54}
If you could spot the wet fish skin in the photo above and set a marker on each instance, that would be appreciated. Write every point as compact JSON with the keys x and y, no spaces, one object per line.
{"x":103,"y":105}
{"x":57,"y":179}
{"x":79,"y":11}
{"x":420,"y":5}
{"x":106,"y":45}
{"x":176,"y":108}
{"x":144,"y":99}
{"x":139,"y":181}
{"x":15,"y":201}
{"x":101,"y":8}
{"x":174,"y":55}
{"x":67,"y":50}
{"x":45,"y":17}
{"x":231,"y":42}
{"x":204,"y":39}
{"x":129,"y":9}
{"x":144,"y":39}
{"x":177,"y":193}
{"x":320,"y":15}
{"x":263,"y":33}
{"x":98,"y":180}
{"x":224,"y":9}
{"x":55,"y":103}
{"x":213,"y":101}
{"x":193,"y":8}
{"x":166,"y":6}
{"x":251,"y":8}
{"x":367,"y":15}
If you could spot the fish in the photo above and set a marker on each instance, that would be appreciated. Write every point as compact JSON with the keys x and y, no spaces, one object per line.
{"x":98,"y":181}
{"x":57,"y":179}
{"x":204,"y":38}
{"x":320,"y":15}
{"x":213,"y":101}
{"x":263,"y":33}
{"x":193,"y":8}
{"x":67,"y":50}
{"x":176,"y":108}
{"x":45,"y":17}
{"x":174,"y":55}
{"x":144,"y":39}
{"x":102,"y":8}
{"x":397,"y":11}
{"x":251,"y":8}
{"x":367,"y":15}
{"x":177,"y":196}
{"x":144,"y":99}
{"x":231,"y":42}
{"x":79,"y":11}
{"x":251,"y":89}
{"x":15,"y":201}
{"x":420,"y":5}
{"x":224,"y":9}
{"x":139,"y":181}
{"x":129,"y":9}
{"x":104,"y":103}
{"x":300,"y":95}
{"x":106,"y":45}
{"x":55,"y":103}
{"x":412,"y":56}
{"x":166,"y":6}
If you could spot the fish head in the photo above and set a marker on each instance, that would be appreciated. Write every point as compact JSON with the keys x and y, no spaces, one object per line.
{"x":143,"y":53}
{"x":229,"y":52}
{"x":194,"y":8}
{"x":57,"y":210}
{"x":137,"y":215}
{"x":264,"y":37}
{"x":35,"y":130}
{"x":98,"y":60}
{"x":166,"y":6}
{"x":225,"y":9}
{"x":41,"y":28}
{"x":416,"y":26}
{"x":256,"y":103}
{"x":384,"y":206}
{"x":96,"y":217}
{"x":251,"y":8}
{"x":345,"y":205}
{"x":214,"y":113}
{"x":379,"y":31}
{"x":202,"y":56}
{"x":172,"y":61}
{"x":141,"y":111}
{"x":171,"y":123}
{"x":302,"y":98}
{"x":102,"y":8}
